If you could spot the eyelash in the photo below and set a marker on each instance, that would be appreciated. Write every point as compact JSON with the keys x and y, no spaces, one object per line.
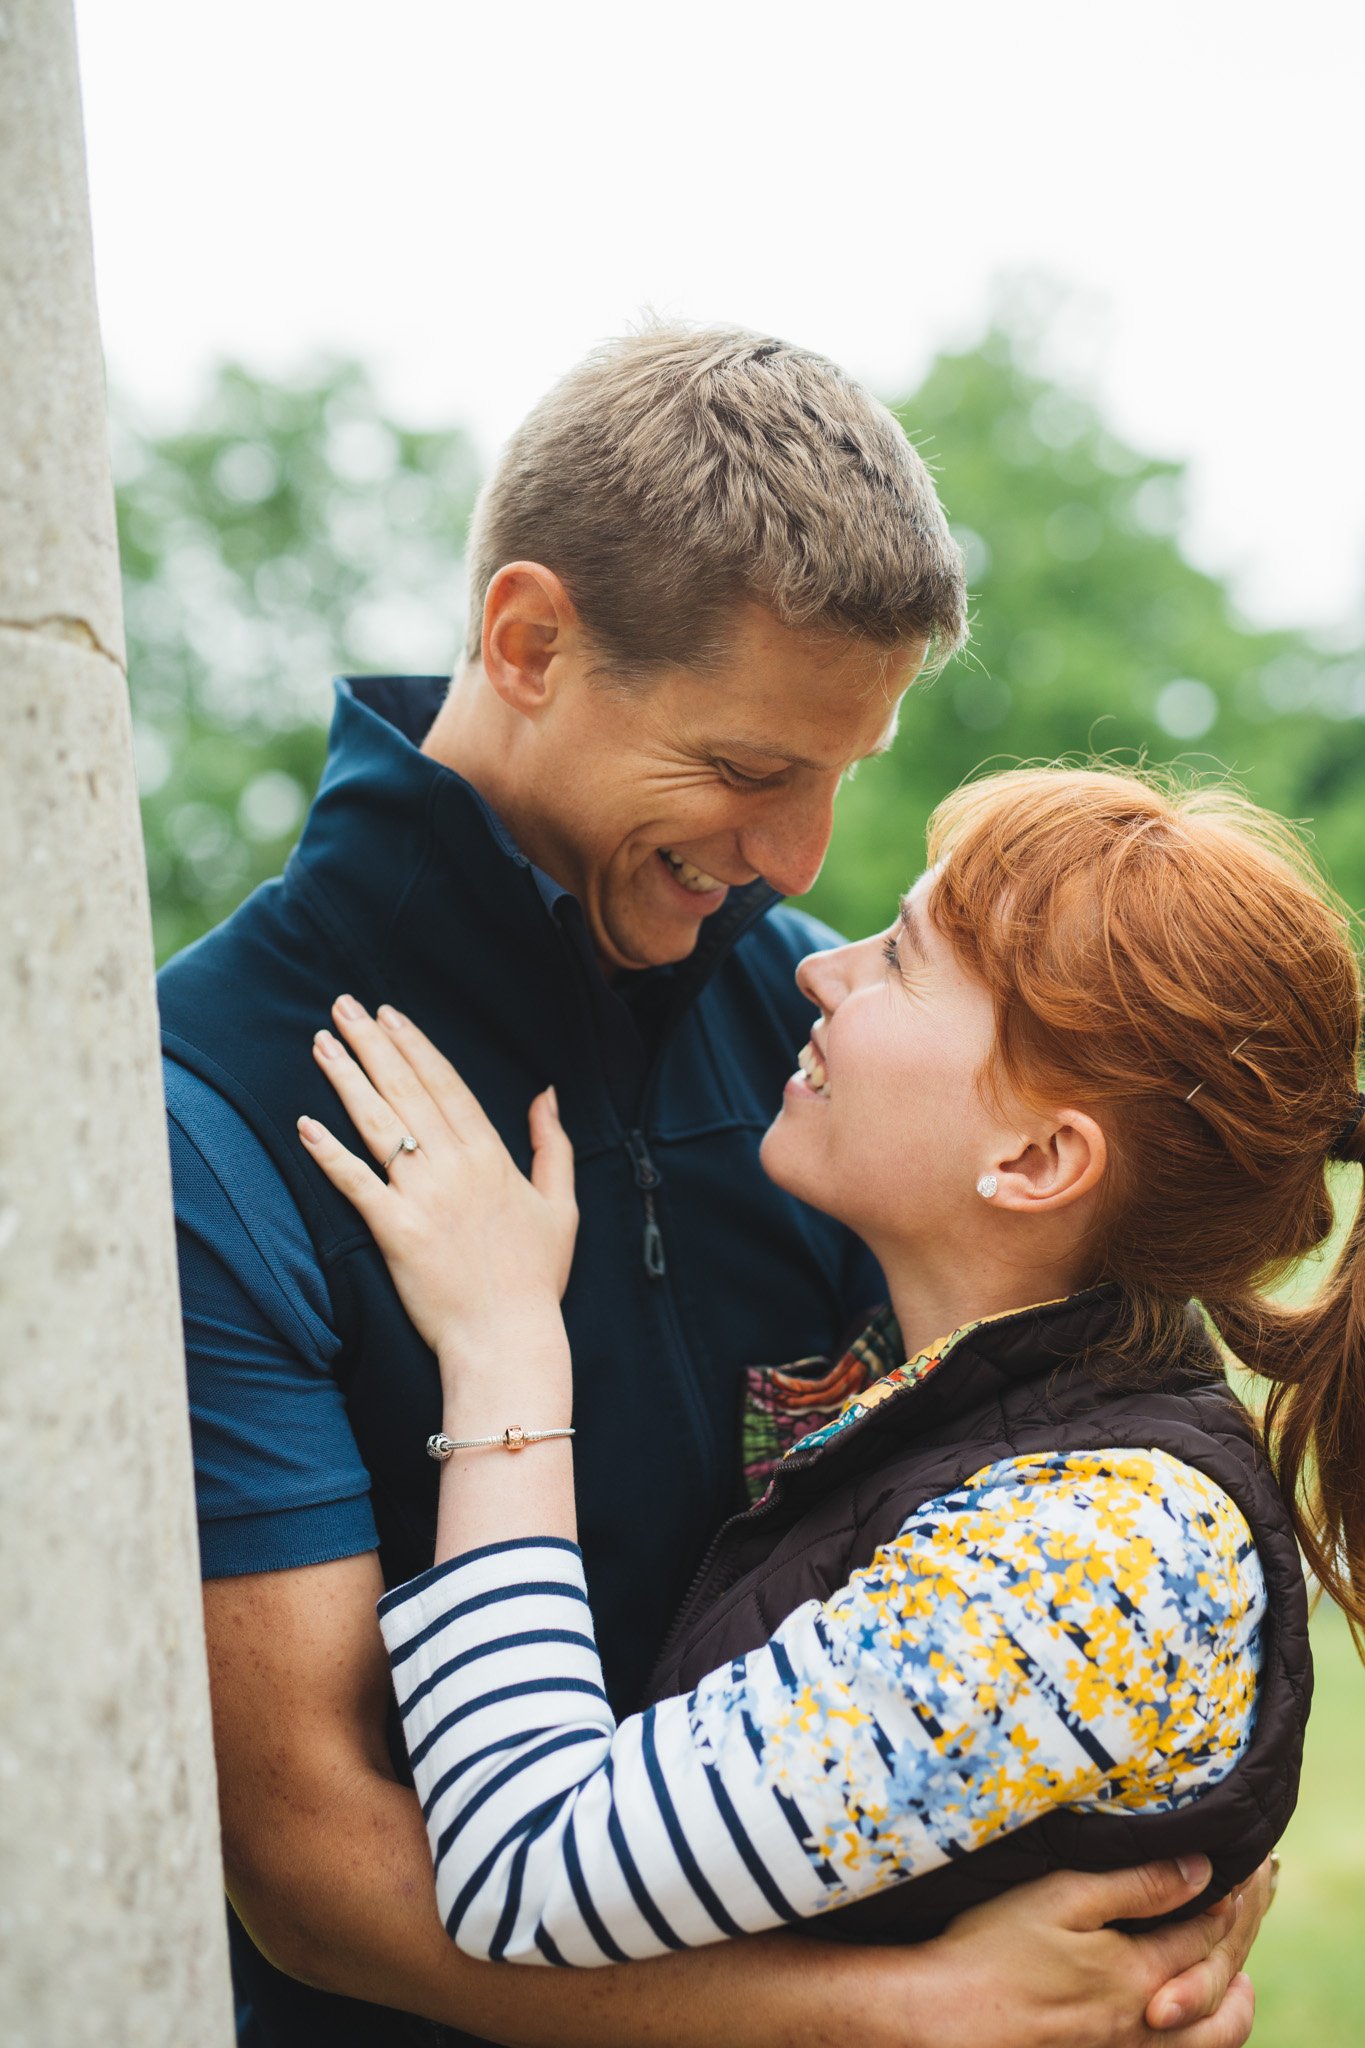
{"x":890,"y":950}
{"x":737,"y":779}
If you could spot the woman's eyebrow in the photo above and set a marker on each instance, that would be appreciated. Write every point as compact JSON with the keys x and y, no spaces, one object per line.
{"x":911,"y":930}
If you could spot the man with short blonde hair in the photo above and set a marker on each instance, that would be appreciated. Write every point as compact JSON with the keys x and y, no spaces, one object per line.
{"x":734,"y":466}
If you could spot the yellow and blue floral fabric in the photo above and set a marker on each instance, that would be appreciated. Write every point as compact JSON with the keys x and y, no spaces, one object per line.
{"x":1078,"y":1629}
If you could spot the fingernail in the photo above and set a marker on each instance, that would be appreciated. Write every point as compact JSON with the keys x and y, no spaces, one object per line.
{"x":393,"y":1018}
{"x":347,"y":1006}
{"x":1170,"y":2015}
{"x":1194,"y":1869}
{"x":554,"y":1099}
{"x":309,"y":1131}
{"x":326,"y":1044}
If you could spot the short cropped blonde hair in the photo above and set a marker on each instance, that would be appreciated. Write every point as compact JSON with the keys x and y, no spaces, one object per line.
{"x":677,"y":472}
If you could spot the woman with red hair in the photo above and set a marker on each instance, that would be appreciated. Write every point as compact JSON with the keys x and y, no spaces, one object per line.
{"x":1019,"y":1584}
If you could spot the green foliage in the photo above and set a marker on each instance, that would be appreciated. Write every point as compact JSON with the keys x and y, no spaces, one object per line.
{"x":288,"y":532}
{"x":1308,"y":1965}
{"x":1090,"y":632}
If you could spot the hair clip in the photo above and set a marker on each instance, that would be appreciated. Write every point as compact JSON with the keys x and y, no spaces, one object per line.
{"x":1232,"y":1056}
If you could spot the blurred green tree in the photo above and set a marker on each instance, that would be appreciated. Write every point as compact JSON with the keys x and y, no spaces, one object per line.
{"x":286,"y":532}
{"x":291,"y":530}
{"x":1090,"y":632}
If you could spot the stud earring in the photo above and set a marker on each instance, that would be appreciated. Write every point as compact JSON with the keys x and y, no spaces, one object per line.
{"x":987,"y":1185}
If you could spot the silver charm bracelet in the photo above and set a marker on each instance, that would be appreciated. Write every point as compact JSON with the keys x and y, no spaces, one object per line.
{"x":516,"y":1438}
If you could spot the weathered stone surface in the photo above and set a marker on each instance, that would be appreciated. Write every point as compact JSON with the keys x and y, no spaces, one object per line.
{"x":58,"y":557}
{"x":111,"y":1914}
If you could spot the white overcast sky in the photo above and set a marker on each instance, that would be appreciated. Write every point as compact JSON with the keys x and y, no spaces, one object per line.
{"x":468,"y":196}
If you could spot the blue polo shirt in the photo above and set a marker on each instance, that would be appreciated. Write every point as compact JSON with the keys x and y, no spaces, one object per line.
{"x":278,"y":1476}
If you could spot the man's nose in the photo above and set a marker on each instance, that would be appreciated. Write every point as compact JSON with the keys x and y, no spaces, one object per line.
{"x":787,"y":846}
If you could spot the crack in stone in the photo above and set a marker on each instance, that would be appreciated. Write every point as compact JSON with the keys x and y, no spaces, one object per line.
{"x":64,"y":626}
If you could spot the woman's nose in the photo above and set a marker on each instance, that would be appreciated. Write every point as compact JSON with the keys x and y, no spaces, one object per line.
{"x":823,"y":978}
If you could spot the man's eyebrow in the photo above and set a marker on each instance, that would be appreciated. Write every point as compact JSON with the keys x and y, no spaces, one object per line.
{"x":910,"y":928}
{"x":737,"y":744}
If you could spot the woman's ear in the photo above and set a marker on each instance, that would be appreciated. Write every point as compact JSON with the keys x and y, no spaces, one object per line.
{"x":528,"y":621}
{"x":1063,"y":1160}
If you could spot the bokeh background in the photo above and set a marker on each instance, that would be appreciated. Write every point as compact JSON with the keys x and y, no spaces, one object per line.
{"x":1098,"y":264}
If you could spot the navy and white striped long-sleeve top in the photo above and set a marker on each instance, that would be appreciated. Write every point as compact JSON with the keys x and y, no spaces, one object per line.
{"x":1080,"y":1629}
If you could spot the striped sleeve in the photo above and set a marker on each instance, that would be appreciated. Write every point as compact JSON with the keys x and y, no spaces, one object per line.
{"x":557,"y":1836}
{"x":1080,"y":1631}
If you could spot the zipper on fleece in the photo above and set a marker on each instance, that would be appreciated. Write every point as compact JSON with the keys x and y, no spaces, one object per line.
{"x":746,"y":1518}
{"x":647,"y":1174}
{"x":647,"y":1178}
{"x":758,"y":1511}
{"x":750,"y":1517}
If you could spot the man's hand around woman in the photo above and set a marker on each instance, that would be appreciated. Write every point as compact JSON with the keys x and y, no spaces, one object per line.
{"x":1041,"y":1967}
{"x":1037,"y":1968}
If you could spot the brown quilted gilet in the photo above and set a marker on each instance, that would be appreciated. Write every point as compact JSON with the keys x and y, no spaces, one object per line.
{"x":1031,"y":1382}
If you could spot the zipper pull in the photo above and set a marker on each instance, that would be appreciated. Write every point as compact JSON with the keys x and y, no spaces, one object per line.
{"x":654,"y":1245}
{"x":647,"y":1178}
{"x":647,"y":1174}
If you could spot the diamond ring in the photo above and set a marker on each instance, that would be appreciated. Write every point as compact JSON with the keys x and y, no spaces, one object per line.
{"x":405,"y":1144}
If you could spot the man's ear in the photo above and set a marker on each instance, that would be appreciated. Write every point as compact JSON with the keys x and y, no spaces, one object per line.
{"x":529,"y":622}
{"x":1062,"y":1161}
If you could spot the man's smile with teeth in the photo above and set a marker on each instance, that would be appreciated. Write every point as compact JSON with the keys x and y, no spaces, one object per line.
{"x":692,"y":878}
{"x":813,"y":1067}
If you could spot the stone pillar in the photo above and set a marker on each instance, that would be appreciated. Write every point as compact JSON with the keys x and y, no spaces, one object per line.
{"x":111,"y":1906}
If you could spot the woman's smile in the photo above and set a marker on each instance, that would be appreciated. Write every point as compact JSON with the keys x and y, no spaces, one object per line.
{"x":812,"y":1076}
